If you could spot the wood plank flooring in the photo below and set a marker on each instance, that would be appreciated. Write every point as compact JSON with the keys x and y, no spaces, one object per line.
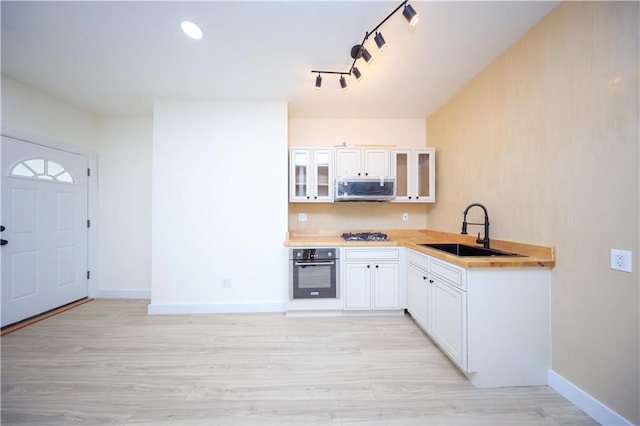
{"x":108,"y":362}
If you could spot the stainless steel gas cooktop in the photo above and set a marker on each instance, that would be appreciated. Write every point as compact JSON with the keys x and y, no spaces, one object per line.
{"x":365,"y":236}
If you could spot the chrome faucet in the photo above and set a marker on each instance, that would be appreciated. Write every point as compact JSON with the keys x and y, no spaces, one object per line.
{"x":484,"y":241}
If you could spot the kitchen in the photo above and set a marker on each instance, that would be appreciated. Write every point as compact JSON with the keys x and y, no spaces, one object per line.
{"x":566,"y":176}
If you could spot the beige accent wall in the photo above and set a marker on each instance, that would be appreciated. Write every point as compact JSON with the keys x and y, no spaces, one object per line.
{"x":326,"y":133}
{"x":546,"y":137}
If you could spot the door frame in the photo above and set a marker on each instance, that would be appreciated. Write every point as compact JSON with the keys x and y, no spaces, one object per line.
{"x":93,"y":286}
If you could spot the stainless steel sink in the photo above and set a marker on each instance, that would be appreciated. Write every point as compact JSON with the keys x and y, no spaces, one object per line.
{"x":464,"y":250}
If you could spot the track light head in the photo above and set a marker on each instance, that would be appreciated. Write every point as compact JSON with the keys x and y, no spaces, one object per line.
{"x":358,"y":51}
{"x":366,"y":55}
{"x":380,"y":41}
{"x":318,"y":82}
{"x":343,"y":83}
{"x":410,"y":15}
{"x":356,"y":73}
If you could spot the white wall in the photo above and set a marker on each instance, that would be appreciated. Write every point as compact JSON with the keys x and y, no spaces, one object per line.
{"x":30,"y":114}
{"x":400,"y":133}
{"x":219,"y":206}
{"x":124,"y":165}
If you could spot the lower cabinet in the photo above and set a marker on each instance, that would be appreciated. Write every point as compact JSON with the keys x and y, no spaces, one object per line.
{"x":493,"y":323}
{"x":372,"y":278}
{"x":449,"y":320}
{"x":418,"y":289}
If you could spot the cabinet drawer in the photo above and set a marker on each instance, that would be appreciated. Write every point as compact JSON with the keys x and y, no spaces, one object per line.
{"x":372,"y":254}
{"x":418,"y":259}
{"x":451,"y":273}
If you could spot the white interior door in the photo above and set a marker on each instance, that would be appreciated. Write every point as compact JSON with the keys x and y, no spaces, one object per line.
{"x":44,"y":212}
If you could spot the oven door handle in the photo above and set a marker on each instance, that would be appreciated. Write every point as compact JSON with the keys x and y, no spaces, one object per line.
{"x":329,"y":263}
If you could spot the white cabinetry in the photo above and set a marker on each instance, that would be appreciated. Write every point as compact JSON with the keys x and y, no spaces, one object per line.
{"x":363,"y":162}
{"x":415,"y":173}
{"x":418,"y":289}
{"x":311,"y":175}
{"x":494,"y":323}
{"x":449,"y":320}
{"x":372,"y":278}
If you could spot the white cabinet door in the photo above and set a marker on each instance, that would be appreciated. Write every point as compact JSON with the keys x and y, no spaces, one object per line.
{"x":415,"y":174}
{"x":386,"y":285}
{"x":418,"y":296}
{"x":348,"y":162}
{"x":311,"y":175}
{"x":362,"y":163}
{"x":376,"y":162}
{"x":357,"y":286}
{"x":449,"y":320}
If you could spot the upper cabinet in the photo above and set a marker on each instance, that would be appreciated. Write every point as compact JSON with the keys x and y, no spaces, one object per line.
{"x":415,"y":173}
{"x":311,"y":175}
{"x":363,"y":162}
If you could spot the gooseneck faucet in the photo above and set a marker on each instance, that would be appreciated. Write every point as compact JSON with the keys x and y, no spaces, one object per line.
{"x":484,"y":241}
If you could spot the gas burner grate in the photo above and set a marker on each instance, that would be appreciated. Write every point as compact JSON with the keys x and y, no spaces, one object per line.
{"x":365,"y":236}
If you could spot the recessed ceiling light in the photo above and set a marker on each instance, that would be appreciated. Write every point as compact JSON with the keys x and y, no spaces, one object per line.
{"x":191,"y":30}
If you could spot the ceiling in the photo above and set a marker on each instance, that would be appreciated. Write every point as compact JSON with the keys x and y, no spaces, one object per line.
{"x":117,"y":58}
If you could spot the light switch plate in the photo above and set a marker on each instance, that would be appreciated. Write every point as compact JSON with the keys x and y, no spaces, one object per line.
{"x":302,"y":217}
{"x":621,"y":260}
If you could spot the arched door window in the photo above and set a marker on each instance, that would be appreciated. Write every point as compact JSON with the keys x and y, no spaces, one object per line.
{"x":40,"y":168}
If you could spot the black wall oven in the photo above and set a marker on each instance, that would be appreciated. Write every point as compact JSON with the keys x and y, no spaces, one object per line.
{"x":314,"y":273}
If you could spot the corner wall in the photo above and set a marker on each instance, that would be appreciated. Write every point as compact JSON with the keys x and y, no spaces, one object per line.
{"x":219,"y":207}
{"x":547,"y":138}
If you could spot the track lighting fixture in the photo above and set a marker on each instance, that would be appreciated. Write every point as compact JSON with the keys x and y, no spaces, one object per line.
{"x":359,"y":51}
{"x":380,"y":41}
{"x":343,"y":83}
{"x":356,"y":73}
{"x":410,"y":15}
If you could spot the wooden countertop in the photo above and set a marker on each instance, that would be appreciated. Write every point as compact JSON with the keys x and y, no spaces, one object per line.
{"x":531,"y":255}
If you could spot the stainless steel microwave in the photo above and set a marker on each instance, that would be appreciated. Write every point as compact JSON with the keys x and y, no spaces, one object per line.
{"x":365,"y":189}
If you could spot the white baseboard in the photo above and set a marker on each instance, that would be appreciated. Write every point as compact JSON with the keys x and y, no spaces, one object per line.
{"x":594,"y":408}
{"x":123,"y":294}
{"x":159,"y":309}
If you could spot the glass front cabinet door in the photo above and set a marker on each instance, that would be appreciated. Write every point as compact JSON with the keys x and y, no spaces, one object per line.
{"x":311,"y":175}
{"x":415,"y":173}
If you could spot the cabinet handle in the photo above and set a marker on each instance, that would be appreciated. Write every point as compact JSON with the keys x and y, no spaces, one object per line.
{"x":424,"y":278}
{"x":409,"y":196}
{"x":358,"y":174}
{"x":431,"y":281}
{"x":417,"y":197}
{"x":366,"y":174}
{"x":368,"y":266}
{"x":308,"y":197}
{"x":315,"y":198}
{"x":376,"y":266}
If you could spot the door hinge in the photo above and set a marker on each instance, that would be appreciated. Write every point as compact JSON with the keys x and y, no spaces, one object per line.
{"x":88,"y":274}
{"x":88,"y":171}
{"x":88,"y":223}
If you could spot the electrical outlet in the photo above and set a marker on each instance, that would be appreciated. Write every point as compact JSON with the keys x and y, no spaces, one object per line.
{"x":621,"y":260}
{"x":302,"y":217}
{"x":405,"y":216}
{"x":226,"y":283}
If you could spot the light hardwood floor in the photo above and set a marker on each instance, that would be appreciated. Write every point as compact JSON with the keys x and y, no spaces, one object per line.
{"x":108,"y":362}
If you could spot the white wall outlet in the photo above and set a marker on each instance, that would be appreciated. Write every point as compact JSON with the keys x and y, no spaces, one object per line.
{"x":405,"y":216}
{"x":621,"y":260}
{"x":226,"y":283}
{"x":302,"y":217}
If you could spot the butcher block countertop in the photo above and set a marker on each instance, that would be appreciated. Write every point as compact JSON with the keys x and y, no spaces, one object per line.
{"x":531,"y":255}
